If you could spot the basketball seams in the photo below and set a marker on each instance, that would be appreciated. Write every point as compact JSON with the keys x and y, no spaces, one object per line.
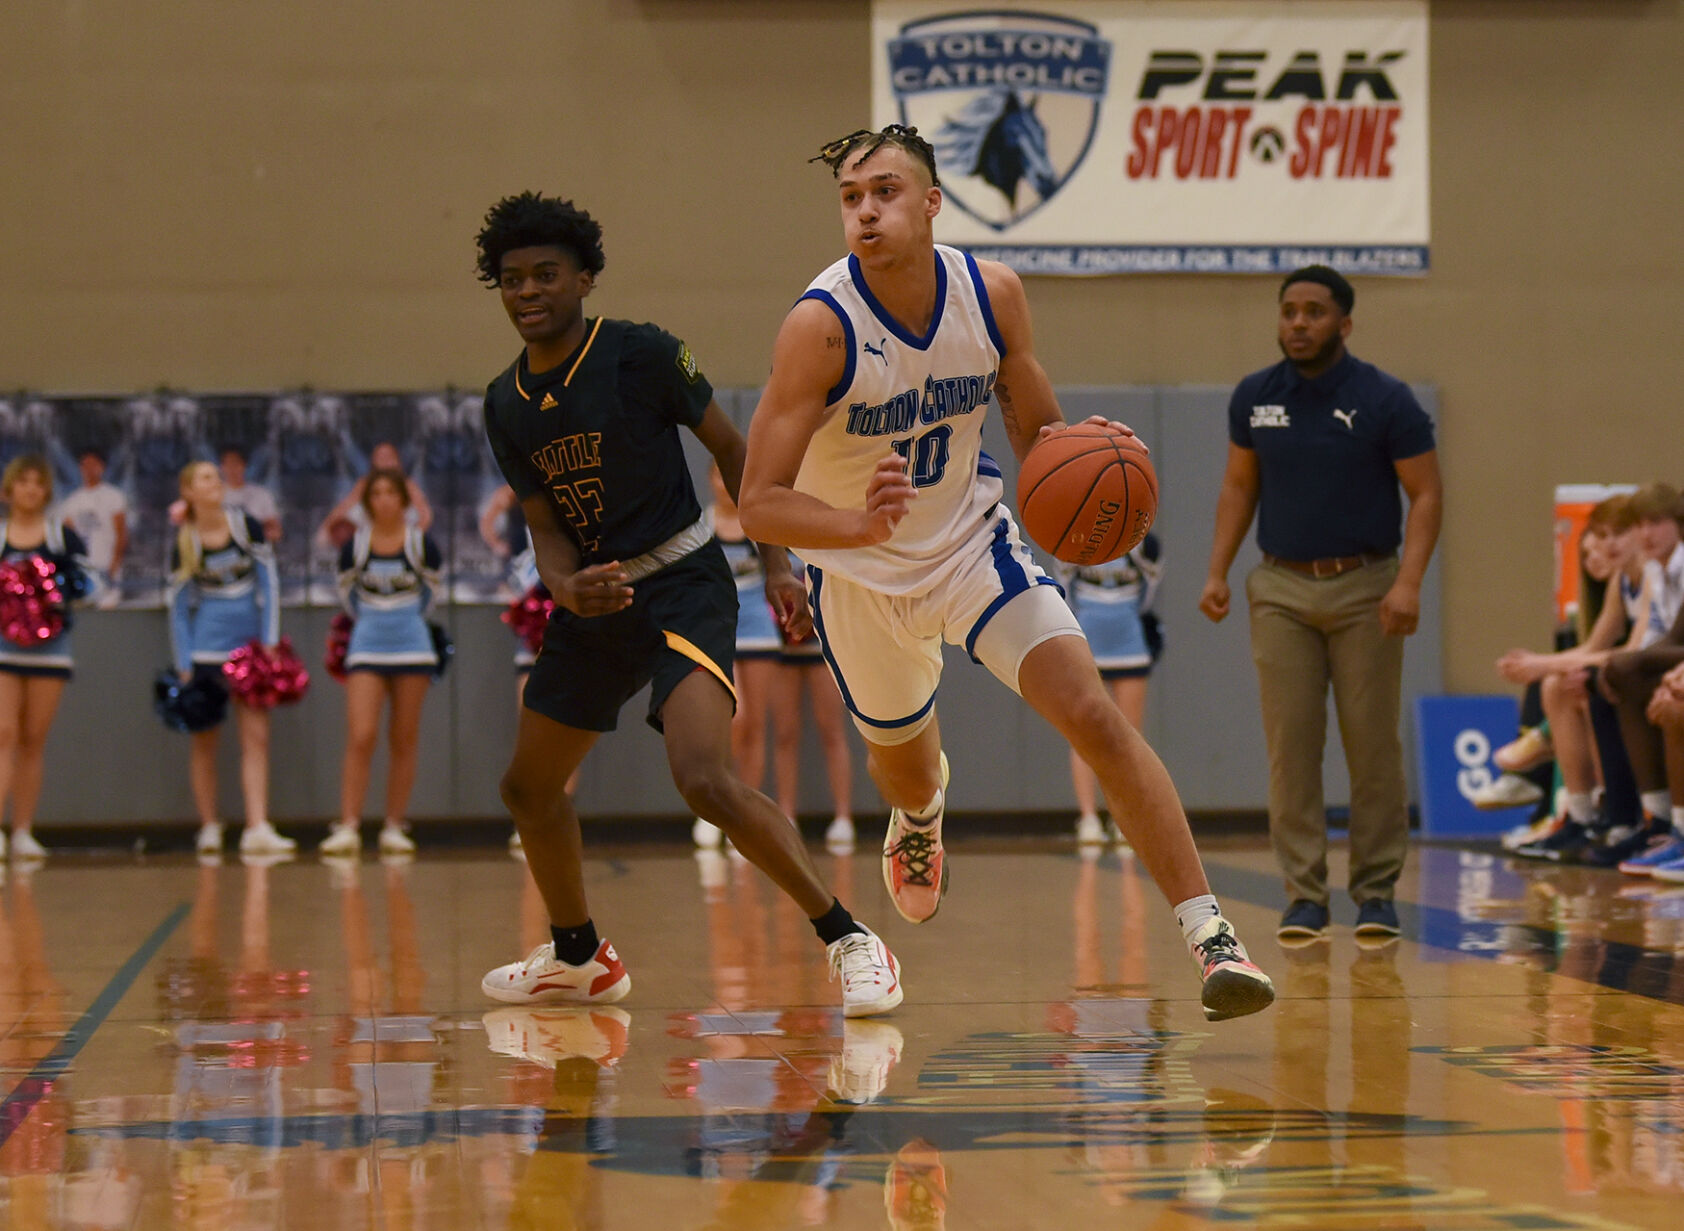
{"x":1083,"y":491}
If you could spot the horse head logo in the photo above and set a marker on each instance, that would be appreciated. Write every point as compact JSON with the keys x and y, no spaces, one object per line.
{"x":1000,"y":140}
{"x":1011,"y":101}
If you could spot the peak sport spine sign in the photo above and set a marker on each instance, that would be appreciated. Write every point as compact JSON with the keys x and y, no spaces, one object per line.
{"x":1157,"y":136}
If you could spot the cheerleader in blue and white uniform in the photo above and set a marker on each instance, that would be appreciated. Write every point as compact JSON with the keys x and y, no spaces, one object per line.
{"x":1113,"y":604}
{"x":388,"y":581}
{"x":223,"y":593}
{"x":32,"y":677}
{"x":759,"y":642}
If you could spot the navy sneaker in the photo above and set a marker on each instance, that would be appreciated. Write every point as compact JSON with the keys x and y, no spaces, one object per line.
{"x":1567,"y":844}
{"x":1303,"y":922}
{"x":1628,"y":843}
{"x":1377,"y":920}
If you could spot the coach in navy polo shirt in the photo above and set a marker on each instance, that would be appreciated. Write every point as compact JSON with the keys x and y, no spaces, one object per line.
{"x":1323,"y":447}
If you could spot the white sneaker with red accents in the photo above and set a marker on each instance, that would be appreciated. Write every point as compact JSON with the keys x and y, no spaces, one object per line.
{"x":915,"y":863}
{"x":869,"y":972}
{"x":1233,"y":985}
{"x":544,"y":979}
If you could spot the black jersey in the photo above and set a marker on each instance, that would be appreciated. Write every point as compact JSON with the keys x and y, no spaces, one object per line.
{"x":599,"y":433}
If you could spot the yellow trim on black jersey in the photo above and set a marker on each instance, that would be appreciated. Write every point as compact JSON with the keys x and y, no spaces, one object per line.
{"x":523,"y":393}
{"x":695,"y":653}
{"x":583,"y":351}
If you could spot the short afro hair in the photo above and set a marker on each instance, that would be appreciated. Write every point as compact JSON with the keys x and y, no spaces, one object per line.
{"x":1323,"y":275}
{"x":532,"y":220}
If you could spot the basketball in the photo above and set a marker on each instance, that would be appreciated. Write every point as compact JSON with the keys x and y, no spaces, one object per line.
{"x":1086,"y":494}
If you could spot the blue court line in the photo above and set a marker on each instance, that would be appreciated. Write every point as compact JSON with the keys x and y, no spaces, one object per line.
{"x":1620,"y":967}
{"x":30,"y":1091}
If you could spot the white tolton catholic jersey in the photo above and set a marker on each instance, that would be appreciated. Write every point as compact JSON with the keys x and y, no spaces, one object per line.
{"x":925,"y":398}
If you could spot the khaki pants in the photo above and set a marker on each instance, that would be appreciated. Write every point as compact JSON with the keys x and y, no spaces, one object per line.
{"x":1305,"y":634}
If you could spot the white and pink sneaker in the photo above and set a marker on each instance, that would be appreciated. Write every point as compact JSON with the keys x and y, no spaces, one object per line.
{"x":543,"y":979}
{"x":869,"y":973}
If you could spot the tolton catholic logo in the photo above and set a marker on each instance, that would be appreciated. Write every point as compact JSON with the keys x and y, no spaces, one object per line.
{"x":1009,"y":100}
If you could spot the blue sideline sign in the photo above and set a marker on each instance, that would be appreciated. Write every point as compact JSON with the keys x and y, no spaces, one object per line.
{"x":1454,"y":740}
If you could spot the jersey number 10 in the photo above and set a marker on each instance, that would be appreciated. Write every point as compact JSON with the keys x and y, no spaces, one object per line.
{"x":926,"y":455}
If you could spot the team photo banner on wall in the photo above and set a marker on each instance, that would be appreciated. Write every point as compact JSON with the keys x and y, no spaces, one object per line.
{"x":1150,"y":136}
{"x":290,"y":459}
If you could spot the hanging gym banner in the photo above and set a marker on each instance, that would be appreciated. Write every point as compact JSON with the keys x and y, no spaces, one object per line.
{"x":1156,"y":136}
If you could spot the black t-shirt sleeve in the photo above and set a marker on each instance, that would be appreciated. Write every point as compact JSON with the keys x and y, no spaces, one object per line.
{"x":521,"y":475}
{"x":666,"y":375}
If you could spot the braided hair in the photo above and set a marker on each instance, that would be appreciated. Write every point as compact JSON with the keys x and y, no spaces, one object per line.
{"x":866,"y":142}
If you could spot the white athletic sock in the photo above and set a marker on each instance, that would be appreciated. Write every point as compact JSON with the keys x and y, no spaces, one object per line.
{"x":1195,"y":911}
{"x":1657,"y":803}
{"x":929,"y":812}
{"x":1581,"y":807}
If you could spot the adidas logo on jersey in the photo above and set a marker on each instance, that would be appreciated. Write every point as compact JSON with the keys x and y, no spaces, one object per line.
{"x":549,"y":402}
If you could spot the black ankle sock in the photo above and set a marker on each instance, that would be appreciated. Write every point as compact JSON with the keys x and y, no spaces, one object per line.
{"x":835,"y":923}
{"x":575,"y":946}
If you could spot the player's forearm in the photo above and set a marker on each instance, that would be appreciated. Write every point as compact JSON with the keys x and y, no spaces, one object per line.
{"x":556,"y":556}
{"x":788,"y":518}
{"x":1027,"y":404}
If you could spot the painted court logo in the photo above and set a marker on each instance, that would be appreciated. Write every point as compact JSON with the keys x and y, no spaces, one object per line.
{"x":1010,"y":101}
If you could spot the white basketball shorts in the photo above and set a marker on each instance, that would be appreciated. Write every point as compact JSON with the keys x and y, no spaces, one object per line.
{"x":885,"y":649}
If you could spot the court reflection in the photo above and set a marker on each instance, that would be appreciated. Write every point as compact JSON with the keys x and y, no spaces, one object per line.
{"x":774,"y":1087}
{"x":43,"y":1183}
{"x":229,"y":1026}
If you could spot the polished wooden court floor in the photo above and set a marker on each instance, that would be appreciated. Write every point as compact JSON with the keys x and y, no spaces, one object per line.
{"x":299,"y":1045}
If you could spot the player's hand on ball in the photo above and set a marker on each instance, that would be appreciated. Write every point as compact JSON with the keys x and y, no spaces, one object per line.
{"x":888,"y":498}
{"x":601,"y":589}
{"x":1121,"y":429}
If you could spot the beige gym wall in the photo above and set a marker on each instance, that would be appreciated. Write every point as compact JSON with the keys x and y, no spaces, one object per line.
{"x":214,"y":195}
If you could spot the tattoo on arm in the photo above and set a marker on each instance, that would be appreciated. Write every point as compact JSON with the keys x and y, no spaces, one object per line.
{"x":1008,"y":412}
{"x":833,"y":341}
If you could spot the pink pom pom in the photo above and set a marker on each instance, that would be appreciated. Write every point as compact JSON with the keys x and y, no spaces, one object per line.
{"x":528,"y":615}
{"x":32,"y":608}
{"x":338,"y":644}
{"x":264,"y":677}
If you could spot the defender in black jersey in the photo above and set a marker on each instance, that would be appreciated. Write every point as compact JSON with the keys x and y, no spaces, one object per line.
{"x":584,"y":425}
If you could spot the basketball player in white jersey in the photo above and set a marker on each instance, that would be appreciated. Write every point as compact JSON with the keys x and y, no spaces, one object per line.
{"x":865,"y":456}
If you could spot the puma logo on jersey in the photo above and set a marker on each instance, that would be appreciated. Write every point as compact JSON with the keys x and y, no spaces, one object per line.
{"x":549,"y":402}
{"x":1347,"y":417}
{"x":877,"y":350}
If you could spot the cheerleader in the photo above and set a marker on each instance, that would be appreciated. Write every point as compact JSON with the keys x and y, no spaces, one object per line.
{"x":388,"y":578}
{"x":31,"y":677}
{"x":1113,"y":604}
{"x":223,"y":594}
{"x":758,"y":644}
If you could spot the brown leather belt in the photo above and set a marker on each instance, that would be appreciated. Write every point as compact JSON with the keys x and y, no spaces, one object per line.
{"x":1327,"y":566}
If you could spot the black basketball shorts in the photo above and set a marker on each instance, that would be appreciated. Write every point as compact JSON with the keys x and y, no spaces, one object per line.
{"x":682,"y":619}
